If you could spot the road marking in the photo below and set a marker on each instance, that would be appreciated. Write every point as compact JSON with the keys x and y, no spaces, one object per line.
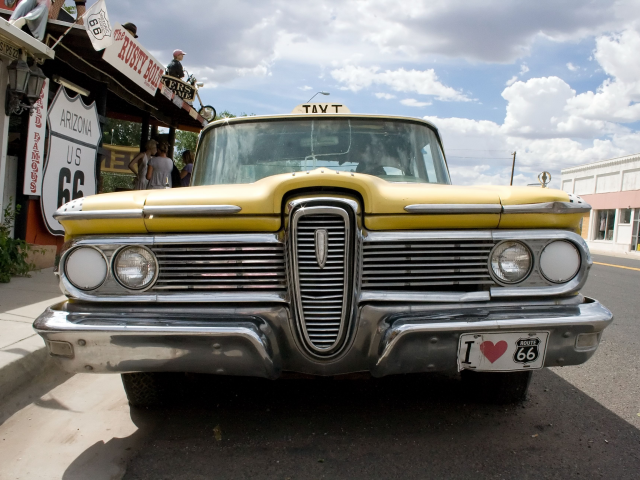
{"x":618,"y":266}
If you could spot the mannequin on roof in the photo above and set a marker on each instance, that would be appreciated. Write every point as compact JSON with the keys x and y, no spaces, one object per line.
{"x":33,"y":13}
{"x":174,"y":68}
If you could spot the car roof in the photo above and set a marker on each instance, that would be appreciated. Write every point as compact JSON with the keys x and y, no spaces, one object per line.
{"x":253,"y":118}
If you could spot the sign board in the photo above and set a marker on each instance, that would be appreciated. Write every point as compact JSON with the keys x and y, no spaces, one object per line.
{"x":184,"y":90}
{"x":133,"y":60}
{"x":8,"y":49}
{"x":321,"y":108}
{"x":118,"y":158}
{"x":34,"y":159}
{"x":70,"y":170}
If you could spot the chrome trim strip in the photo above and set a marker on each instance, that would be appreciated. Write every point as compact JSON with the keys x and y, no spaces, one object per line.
{"x":313,"y":200}
{"x":548,"y":207}
{"x":453,"y":208}
{"x":431,"y":297}
{"x":190,"y":210}
{"x":400,"y":235}
{"x":98,"y":214}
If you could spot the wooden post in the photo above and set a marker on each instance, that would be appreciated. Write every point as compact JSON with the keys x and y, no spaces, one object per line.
{"x":513,"y":166}
{"x":101,"y":94}
{"x":172,"y":141}
{"x":144,"y":134}
{"x":154,"y":132}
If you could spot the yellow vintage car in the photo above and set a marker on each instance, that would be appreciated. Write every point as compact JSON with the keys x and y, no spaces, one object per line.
{"x":324,"y":244}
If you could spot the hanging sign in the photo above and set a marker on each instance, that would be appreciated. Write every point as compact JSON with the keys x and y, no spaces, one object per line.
{"x":133,"y":60}
{"x":184,"y":90}
{"x":70,"y":170}
{"x":118,"y":158}
{"x":34,"y":159}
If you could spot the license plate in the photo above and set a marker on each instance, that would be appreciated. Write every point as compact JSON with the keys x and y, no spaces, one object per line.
{"x":502,"y":352}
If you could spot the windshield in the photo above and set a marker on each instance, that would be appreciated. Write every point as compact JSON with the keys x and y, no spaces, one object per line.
{"x":395,"y":150}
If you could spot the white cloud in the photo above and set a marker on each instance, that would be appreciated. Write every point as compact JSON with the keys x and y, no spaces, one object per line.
{"x":423,"y":82}
{"x":511,"y":81}
{"x":305,"y":88}
{"x":550,"y":125}
{"x":572,"y":67}
{"x":386,"y":96}
{"x":523,"y":69}
{"x":412,"y":102}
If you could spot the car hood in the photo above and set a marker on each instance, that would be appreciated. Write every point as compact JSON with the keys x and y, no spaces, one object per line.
{"x":259,"y":206}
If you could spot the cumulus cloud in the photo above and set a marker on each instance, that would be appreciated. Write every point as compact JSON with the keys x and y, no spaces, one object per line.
{"x":549,"y":125}
{"x":572,"y":67}
{"x":511,"y":81}
{"x":412,"y":102}
{"x":306,"y":88}
{"x":386,"y":96}
{"x":423,"y":82}
{"x":232,"y":38}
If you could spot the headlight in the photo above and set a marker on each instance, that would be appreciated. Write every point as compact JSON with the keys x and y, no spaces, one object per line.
{"x":559,"y":261}
{"x":86,"y":268}
{"x":135,"y":267}
{"x":511,"y":262}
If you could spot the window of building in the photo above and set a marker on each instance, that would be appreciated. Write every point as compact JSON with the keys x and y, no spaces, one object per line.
{"x":625,"y":215}
{"x":606,"y":221}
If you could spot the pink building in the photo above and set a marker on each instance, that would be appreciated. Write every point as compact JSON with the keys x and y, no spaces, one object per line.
{"x":612,"y":187}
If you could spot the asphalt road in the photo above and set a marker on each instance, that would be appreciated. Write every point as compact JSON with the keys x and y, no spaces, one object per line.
{"x":579,"y":422}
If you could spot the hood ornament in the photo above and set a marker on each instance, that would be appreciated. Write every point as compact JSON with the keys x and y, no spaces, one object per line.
{"x":321,"y":247}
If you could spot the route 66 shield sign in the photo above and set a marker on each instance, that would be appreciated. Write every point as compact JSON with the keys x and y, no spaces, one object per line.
{"x":527,"y":350}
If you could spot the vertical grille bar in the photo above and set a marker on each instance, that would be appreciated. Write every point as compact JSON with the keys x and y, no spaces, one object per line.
{"x":321,"y":275}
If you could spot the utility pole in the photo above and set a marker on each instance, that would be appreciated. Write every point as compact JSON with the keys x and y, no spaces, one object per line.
{"x":513,"y":166}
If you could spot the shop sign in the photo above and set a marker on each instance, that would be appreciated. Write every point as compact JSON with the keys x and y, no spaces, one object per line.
{"x":34,"y":158}
{"x":321,"y":108}
{"x":133,"y":60}
{"x":8,"y":49}
{"x":70,"y":170}
{"x":118,"y":158}
{"x":184,"y":90}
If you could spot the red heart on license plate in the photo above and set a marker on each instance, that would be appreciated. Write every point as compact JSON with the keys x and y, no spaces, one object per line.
{"x":493,"y":352}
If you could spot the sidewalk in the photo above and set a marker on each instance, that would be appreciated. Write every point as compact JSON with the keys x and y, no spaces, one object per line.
{"x":22,"y":351}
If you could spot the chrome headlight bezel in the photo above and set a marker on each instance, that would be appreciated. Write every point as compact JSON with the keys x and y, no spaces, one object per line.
{"x":68,"y":256}
{"x":577,"y":270}
{"x":114,"y":269}
{"x":502,"y":281}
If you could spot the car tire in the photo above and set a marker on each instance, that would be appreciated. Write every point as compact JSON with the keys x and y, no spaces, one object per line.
{"x":496,"y":387}
{"x":146,"y":389}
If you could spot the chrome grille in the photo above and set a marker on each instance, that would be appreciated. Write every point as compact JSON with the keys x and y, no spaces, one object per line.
{"x":224,"y":266}
{"x":322,"y":293}
{"x":426,"y":265}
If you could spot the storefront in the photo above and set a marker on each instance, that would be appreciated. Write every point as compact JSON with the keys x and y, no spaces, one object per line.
{"x":96,"y":84}
{"x":612,"y":187}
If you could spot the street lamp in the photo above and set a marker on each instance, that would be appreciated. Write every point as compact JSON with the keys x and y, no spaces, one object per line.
{"x":319,"y":93}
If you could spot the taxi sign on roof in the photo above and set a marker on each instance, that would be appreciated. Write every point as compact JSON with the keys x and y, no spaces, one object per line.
{"x":321,"y":108}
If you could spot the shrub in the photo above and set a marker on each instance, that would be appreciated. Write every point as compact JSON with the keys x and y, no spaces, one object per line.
{"x":13,"y":253}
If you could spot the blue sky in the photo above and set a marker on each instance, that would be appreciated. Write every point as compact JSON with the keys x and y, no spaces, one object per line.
{"x":555,"y":81}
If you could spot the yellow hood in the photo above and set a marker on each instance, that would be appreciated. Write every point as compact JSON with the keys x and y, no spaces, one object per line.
{"x":261,"y":205}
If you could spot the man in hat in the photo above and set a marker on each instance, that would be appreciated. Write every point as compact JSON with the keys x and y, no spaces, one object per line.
{"x":174,"y":68}
{"x":131,"y":28}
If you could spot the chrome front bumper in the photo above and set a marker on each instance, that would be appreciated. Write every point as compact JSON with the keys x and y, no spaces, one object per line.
{"x":262,"y":342}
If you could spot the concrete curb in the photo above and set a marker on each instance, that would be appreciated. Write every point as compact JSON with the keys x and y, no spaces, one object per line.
{"x":20,"y":363}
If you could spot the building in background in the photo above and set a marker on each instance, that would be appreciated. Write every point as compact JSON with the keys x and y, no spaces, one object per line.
{"x":612,"y":188}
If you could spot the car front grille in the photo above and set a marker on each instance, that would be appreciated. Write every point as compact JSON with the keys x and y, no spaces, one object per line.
{"x":426,"y":265}
{"x":322,"y":292}
{"x":220,"y":267}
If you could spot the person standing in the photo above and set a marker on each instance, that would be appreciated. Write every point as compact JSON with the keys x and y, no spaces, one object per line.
{"x":159,"y":169}
{"x":141,"y":161}
{"x":185,"y":174}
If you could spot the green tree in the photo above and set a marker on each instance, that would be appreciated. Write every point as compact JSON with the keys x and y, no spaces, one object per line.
{"x":120,"y":132}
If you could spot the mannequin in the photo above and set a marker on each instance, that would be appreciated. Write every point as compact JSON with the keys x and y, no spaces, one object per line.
{"x":33,"y":13}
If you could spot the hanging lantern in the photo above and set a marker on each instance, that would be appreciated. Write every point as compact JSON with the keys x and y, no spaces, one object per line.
{"x":19,"y":73}
{"x":36,"y":80}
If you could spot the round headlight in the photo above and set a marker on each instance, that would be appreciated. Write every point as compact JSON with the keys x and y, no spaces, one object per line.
{"x":86,"y":268}
{"x":559,"y":261}
{"x":511,"y":262}
{"x":135,"y":267}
